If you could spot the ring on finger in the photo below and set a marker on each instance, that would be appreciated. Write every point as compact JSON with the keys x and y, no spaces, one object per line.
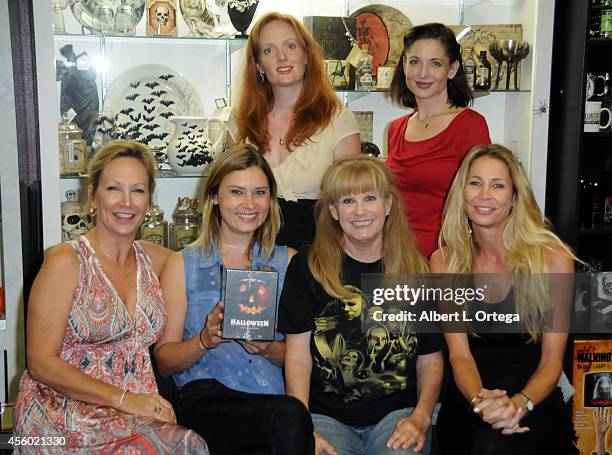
{"x":157,"y":409}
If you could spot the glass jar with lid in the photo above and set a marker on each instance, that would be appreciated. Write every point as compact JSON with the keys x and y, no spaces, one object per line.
{"x":155,"y":228}
{"x":72,"y":149}
{"x":185,"y":224}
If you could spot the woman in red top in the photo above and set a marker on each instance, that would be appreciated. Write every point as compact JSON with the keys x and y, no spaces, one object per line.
{"x":427,"y":146}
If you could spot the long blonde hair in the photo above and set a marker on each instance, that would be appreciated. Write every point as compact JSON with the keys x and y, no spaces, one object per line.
{"x":353,"y":175}
{"x":527,"y":238}
{"x":237,"y":158}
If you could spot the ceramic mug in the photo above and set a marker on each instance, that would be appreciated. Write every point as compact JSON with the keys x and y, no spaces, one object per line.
{"x":592,"y":117}
{"x":591,"y":85}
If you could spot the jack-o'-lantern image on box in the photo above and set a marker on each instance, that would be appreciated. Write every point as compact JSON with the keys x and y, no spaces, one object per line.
{"x":250,"y":304}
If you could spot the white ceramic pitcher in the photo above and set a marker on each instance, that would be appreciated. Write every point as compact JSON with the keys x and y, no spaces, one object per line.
{"x":190,"y":150}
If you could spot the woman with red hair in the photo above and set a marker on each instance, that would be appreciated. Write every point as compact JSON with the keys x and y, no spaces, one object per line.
{"x":290,"y":112}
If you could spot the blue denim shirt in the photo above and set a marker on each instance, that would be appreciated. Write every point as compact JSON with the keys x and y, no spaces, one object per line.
{"x":228,"y":363}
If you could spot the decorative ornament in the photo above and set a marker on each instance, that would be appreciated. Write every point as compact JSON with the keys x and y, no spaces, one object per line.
{"x":190,"y":150}
{"x":241,"y":14}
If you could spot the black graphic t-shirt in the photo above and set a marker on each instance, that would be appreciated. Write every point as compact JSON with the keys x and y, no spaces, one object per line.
{"x":361,"y":370}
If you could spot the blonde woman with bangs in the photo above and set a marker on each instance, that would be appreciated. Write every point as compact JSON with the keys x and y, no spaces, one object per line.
{"x":368,"y":391}
{"x":505,"y":378}
{"x":226,"y":383}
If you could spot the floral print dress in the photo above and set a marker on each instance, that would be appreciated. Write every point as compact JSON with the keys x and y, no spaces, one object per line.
{"x":104,"y":341}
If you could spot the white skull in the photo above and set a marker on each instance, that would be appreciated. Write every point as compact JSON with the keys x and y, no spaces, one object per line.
{"x":162,"y":13}
{"x":75,"y":224}
{"x":75,"y":221}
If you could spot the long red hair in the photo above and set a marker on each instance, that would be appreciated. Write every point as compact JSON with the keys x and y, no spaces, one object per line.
{"x":315,"y":107}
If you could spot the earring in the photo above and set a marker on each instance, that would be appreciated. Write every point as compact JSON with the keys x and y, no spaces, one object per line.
{"x":262,"y":77}
{"x":93,"y":211}
{"x":305,"y":68}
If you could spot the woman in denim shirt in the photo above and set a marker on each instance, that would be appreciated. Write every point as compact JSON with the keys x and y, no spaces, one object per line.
{"x":229,"y":384}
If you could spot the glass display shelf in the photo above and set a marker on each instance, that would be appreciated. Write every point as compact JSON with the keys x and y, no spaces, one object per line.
{"x":159,"y":176}
{"x":600,"y":41}
{"x":599,"y":135}
{"x":352,"y":94}
{"x":601,"y":229}
{"x":233,"y":43}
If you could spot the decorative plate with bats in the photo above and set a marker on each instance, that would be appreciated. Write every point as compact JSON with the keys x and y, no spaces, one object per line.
{"x":144,"y":98}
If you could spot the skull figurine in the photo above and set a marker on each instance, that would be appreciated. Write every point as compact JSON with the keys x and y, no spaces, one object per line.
{"x":162,"y":14}
{"x":74,"y":221}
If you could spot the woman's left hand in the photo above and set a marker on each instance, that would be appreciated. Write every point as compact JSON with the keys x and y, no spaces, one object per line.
{"x":274,"y":351}
{"x":256,"y":347}
{"x":509,"y":420}
{"x":511,"y":425}
{"x":409,"y":431}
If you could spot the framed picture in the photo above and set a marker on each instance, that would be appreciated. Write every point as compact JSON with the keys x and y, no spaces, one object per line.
{"x":161,"y":17}
{"x":337,"y":72}
{"x":365,"y":121}
{"x":385,"y":76}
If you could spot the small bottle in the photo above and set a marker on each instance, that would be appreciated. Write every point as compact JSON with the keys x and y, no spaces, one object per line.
{"x":608,"y":210}
{"x":483,"y":73}
{"x":363,"y":77}
{"x":155,"y":228}
{"x":72,"y":148}
{"x":184,"y":229}
{"x":469,"y":66}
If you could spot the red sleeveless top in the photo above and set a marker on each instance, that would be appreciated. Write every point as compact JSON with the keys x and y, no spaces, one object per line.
{"x":424,"y":170}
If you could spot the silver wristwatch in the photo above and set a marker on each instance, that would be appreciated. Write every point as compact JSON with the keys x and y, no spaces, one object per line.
{"x":528,"y":403}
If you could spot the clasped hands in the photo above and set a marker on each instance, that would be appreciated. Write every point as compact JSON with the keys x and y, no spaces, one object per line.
{"x":500,"y":411}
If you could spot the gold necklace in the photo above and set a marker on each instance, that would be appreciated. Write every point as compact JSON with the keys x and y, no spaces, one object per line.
{"x":426,"y":123}
{"x":281,"y":140}
{"x":125,"y":267}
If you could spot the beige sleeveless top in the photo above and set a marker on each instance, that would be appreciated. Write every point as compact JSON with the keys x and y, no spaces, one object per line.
{"x":299,"y":176}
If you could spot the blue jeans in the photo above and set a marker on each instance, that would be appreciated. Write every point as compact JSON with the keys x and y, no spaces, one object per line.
{"x":371,"y":440}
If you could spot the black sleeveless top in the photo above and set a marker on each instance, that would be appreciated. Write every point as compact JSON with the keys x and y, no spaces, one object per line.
{"x":506,"y":358}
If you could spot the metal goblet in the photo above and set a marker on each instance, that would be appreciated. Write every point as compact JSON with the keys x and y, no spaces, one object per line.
{"x":496,"y":53}
{"x":522,"y":50}
{"x":508,"y":49}
{"x":512,"y":51}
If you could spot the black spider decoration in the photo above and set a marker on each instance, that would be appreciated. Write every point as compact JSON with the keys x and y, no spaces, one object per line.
{"x":543,"y":108}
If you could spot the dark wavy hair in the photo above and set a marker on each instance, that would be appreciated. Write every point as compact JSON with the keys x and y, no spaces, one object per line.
{"x":459,"y":92}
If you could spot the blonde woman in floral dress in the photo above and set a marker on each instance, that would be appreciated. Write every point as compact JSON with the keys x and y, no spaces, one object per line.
{"x":95,"y":308}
